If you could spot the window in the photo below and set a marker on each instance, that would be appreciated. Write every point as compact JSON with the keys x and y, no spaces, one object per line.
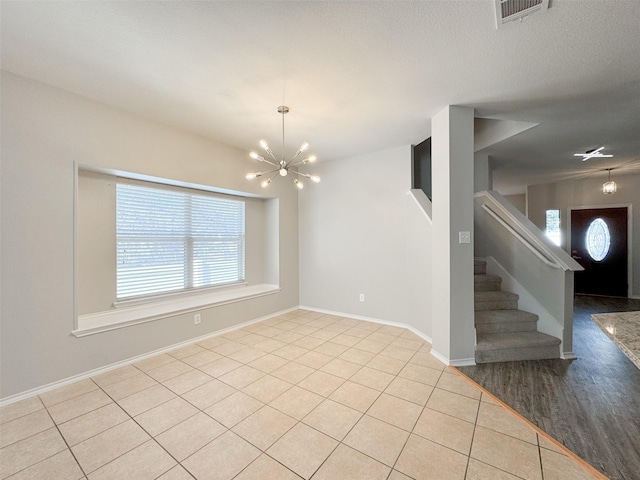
{"x":171,"y":239}
{"x":553,"y":226}
{"x":598,"y":239}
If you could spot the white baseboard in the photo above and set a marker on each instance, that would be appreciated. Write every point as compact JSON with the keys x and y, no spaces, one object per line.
{"x":463,"y":362}
{"x":440,"y":357}
{"x":123,"y":363}
{"x":422,"y":335}
{"x":568,"y":356}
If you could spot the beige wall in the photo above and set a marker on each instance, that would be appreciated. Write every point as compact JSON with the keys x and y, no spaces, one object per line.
{"x":518,"y":201}
{"x":360,"y":232}
{"x":44,"y":131}
{"x":588,"y":193}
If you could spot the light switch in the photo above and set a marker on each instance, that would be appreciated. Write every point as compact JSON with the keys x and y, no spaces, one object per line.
{"x":464,"y":237}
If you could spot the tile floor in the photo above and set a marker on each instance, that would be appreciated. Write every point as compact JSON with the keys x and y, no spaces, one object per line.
{"x":302,"y":395}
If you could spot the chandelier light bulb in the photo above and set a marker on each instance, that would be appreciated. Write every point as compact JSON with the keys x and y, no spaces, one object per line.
{"x":265,"y":183}
{"x":251,"y":176}
{"x":304,"y":147}
{"x":299,"y":184}
{"x":312,"y":158}
{"x":283,"y":172}
{"x":255,"y":156}
{"x":264,"y":145}
{"x":315,"y":178}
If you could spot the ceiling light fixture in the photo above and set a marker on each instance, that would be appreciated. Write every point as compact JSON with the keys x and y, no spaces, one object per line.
{"x":595,"y":153}
{"x":609,"y":186}
{"x":282,"y":167}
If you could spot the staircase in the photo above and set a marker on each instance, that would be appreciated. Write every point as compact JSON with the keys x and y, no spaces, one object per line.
{"x":504,"y":333}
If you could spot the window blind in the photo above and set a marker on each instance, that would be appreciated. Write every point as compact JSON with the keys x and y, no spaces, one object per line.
{"x":175,"y":239}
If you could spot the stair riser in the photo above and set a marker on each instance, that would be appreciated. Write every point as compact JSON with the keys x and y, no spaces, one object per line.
{"x":486,"y":286}
{"x":514,"y":355}
{"x":504,"y":333}
{"x":506,"y":327}
{"x":496,"y":305}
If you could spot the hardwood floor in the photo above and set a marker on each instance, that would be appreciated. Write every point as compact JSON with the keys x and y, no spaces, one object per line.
{"x":591,"y":404}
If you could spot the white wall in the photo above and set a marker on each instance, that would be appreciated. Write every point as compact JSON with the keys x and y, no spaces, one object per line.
{"x":588,"y":193}
{"x":518,"y":201}
{"x":452,"y":261}
{"x":361,"y":233}
{"x":44,"y":131}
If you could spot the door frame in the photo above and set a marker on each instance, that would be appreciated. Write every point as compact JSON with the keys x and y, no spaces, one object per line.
{"x":629,"y":208}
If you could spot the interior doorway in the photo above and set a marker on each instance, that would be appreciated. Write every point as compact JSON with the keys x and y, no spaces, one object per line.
{"x":599,"y":242}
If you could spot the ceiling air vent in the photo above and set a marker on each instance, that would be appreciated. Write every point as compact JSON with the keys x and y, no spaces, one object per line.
{"x":509,"y":10}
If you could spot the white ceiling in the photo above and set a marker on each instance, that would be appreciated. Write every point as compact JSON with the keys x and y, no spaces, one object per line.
{"x":358,"y":76}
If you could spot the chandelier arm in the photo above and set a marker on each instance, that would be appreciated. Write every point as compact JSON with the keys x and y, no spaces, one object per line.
{"x":267,"y":173}
{"x":298,"y":153}
{"x":268,"y":181}
{"x":270,"y":162}
{"x":260,"y":158}
{"x":272,"y":156}
{"x":301,"y":162}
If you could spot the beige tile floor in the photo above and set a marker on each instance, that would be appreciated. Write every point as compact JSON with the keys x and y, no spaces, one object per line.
{"x":302,"y":395}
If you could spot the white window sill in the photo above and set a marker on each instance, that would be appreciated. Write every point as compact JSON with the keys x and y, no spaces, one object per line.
{"x":93,"y":323}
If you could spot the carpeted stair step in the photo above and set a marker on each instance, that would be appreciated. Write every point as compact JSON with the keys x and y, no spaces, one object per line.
{"x":495,"y":301}
{"x":479,"y":267}
{"x":484,"y":282}
{"x":505,"y":321}
{"x":509,"y":347}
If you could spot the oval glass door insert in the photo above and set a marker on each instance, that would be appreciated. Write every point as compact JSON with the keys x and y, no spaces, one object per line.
{"x":598,"y":239}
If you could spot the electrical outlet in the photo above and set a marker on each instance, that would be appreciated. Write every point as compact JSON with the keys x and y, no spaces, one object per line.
{"x":464,"y":237}
{"x":197,"y":319}
{"x":362,"y":297}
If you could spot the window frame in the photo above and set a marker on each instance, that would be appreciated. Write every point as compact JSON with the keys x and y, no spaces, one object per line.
{"x":173,"y":306}
{"x":188,"y":238}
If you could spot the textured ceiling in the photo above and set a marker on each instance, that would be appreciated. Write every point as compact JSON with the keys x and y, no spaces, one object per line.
{"x":358,"y":76}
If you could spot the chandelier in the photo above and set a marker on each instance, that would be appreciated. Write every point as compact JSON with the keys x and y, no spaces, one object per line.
{"x":609,"y":186}
{"x":283,"y":167}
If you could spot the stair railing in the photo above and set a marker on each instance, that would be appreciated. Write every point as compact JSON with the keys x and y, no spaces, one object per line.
{"x":540,"y":272}
{"x":523,"y":240}
{"x":526,"y":232}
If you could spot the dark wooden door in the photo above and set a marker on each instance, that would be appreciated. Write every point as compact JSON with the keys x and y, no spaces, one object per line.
{"x":599,"y":244}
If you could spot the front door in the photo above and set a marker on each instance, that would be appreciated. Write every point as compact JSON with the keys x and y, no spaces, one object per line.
{"x":599,"y":244}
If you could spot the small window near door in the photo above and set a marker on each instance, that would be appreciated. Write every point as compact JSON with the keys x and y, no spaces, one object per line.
{"x":553,"y":226}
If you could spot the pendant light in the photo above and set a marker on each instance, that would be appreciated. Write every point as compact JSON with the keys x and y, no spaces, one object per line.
{"x":609,"y":186}
{"x":283,"y":167}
